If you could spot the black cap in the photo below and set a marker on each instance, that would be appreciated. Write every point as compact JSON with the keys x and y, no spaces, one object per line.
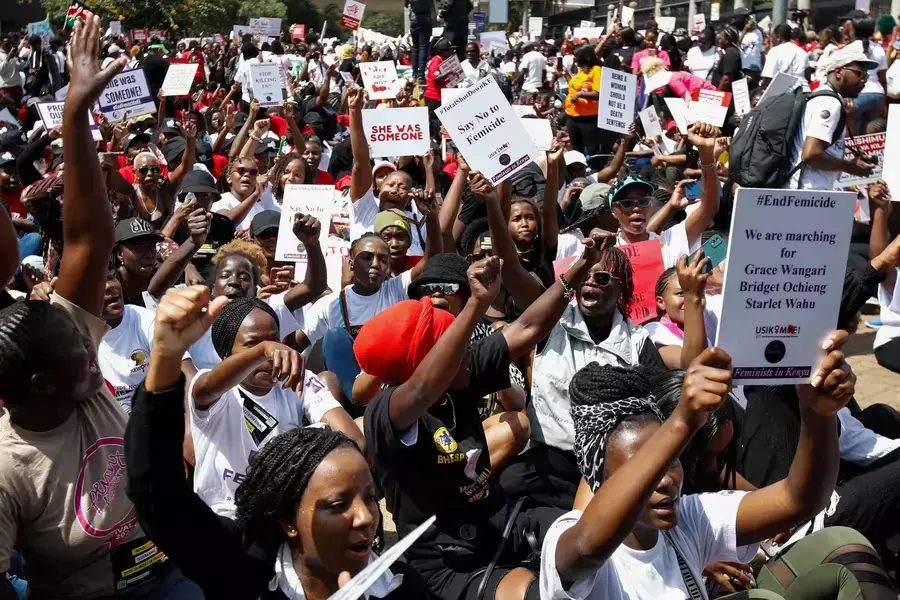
{"x":444,"y":45}
{"x":170,"y":129}
{"x":173,"y":149}
{"x":7,"y":158}
{"x":240,"y":119}
{"x":136,"y":137}
{"x":741,"y":12}
{"x":12,"y":139}
{"x":269,"y":145}
{"x":199,"y":182}
{"x":853,"y":14}
{"x":135,"y":227}
{"x":267,"y":220}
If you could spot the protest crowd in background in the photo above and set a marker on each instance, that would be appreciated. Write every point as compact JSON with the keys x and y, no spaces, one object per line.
{"x":571,"y":311}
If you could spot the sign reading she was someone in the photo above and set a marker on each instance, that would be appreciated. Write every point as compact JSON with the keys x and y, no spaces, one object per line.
{"x":126,"y":96}
{"x":866,"y":145}
{"x":266,"y":84}
{"x":315,"y":200}
{"x":484,"y":127}
{"x":617,"y":94}
{"x":380,"y":79}
{"x":396,"y":131}
{"x":783,"y":279}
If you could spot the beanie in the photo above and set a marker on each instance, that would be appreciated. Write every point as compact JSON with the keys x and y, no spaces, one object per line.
{"x":441,"y":268}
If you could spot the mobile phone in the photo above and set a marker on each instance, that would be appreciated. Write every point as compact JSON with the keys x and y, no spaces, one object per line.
{"x":716,"y":249}
{"x":692,"y":191}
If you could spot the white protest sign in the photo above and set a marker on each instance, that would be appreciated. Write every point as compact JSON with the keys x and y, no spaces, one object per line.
{"x":617,"y":95}
{"x":379,"y":78}
{"x":699,"y":22}
{"x":179,"y":79}
{"x":781,"y":83}
{"x":650,"y":122}
{"x":766,"y":24}
{"x":892,"y":150}
{"x":498,"y":48}
{"x":486,"y":38}
{"x":666,"y":24}
{"x":535,"y":25}
{"x":540,"y":131}
{"x":627,"y":16}
{"x":714,"y":11}
{"x":126,"y":96}
{"x":266,"y":84}
{"x":450,"y":70}
{"x":866,"y":145}
{"x":589,"y":33}
{"x":268,"y":26}
{"x":787,"y":254}
{"x":51,"y":114}
{"x":709,"y":106}
{"x":397,"y":131}
{"x":484,"y":127}
{"x":498,"y":11}
{"x":679,"y":112}
{"x":586,"y":23}
{"x":238,"y":31}
{"x":524,"y":110}
{"x":353,"y":14}
{"x":741,"y":97}
{"x":115,"y":28}
{"x":315,"y":200}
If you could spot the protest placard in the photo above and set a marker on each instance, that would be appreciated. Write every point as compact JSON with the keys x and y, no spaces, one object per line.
{"x":627,"y":16}
{"x":584,"y":23}
{"x":488,"y":37}
{"x":127,"y":96}
{"x":781,"y":83}
{"x":484,"y":127}
{"x":892,"y":150}
{"x":265,"y":26}
{"x":115,"y":28}
{"x":397,"y":131}
{"x":783,"y":279}
{"x":451,"y":71}
{"x":238,"y":31}
{"x":140,"y":35}
{"x":617,"y":95}
{"x":741,"y":97}
{"x":666,"y":24}
{"x":353,"y":14}
{"x":498,"y":11}
{"x":709,"y":106}
{"x":337,"y":252}
{"x":524,"y":110}
{"x":266,"y":84}
{"x":51,"y":114}
{"x":179,"y":79}
{"x":298,"y":32}
{"x":40,"y":29}
{"x":699,"y":22}
{"x":380,"y":79}
{"x":650,"y":122}
{"x":315,"y":200}
{"x":535,"y":25}
{"x":587,"y":33}
{"x":765,"y":24}
{"x":540,"y":132}
{"x":714,"y":11}
{"x":646,"y":265}
{"x":866,"y":145}
{"x":159,"y":34}
{"x":678,"y":108}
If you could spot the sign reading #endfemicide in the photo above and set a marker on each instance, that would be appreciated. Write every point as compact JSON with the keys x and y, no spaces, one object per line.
{"x":397,"y":131}
{"x":784,"y":275}
{"x":127,"y":96}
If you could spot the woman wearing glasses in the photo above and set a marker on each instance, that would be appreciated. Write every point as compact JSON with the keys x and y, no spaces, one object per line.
{"x":245,"y":199}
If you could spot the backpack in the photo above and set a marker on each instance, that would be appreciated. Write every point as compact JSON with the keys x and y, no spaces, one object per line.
{"x":762,"y":150}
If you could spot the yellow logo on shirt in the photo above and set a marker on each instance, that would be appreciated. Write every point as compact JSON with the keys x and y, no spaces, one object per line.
{"x":444,"y":441}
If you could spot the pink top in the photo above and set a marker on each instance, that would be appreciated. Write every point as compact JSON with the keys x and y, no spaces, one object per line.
{"x":636,"y":59}
{"x":682,"y":83}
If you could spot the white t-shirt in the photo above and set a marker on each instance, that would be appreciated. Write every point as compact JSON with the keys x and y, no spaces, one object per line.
{"x":889,"y":300}
{"x":700,"y":62}
{"x":326,"y":313}
{"x":533,"y":63}
{"x":266,"y":201}
{"x":124,"y":352}
{"x":242,"y":76}
{"x":876,"y":54}
{"x":705,"y":532}
{"x":787,"y":58}
{"x":752,"y":44}
{"x":224,"y":443}
{"x":673,"y":242}
{"x":362,"y":220}
{"x":820,"y":120}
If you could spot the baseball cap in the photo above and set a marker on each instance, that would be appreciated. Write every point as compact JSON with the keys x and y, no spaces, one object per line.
{"x":389,"y":218}
{"x":269,"y":145}
{"x":135,"y":227}
{"x":7,"y":158}
{"x":113,"y":49}
{"x":383,"y":164}
{"x":573,"y":157}
{"x":625,"y":183}
{"x":443,"y":45}
{"x":265,"y":221}
{"x":199,"y":182}
{"x":853,"y":14}
{"x":847,"y":56}
{"x":136,"y":137}
{"x":592,"y":201}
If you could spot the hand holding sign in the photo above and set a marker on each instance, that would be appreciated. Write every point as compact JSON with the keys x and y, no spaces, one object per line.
{"x":88,"y":81}
{"x":833,"y":383}
{"x":706,"y":386}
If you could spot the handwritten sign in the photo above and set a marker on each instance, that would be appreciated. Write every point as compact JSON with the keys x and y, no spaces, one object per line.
{"x":451,"y":71}
{"x":265,"y":26}
{"x":179,"y":79}
{"x":783,"y":279}
{"x":647,"y":265}
{"x":867,"y":145}
{"x":266,"y":83}
{"x":484,"y":127}
{"x":315,"y":200}
{"x":709,"y":106}
{"x":741,"y":97}
{"x":397,"y":131}
{"x":617,"y":95}
{"x":380,"y":79}
{"x":353,"y":14}
{"x":126,"y":96}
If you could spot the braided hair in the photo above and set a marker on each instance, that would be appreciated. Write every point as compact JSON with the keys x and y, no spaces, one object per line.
{"x":614,"y":260}
{"x":278,"y":476}
{"x":24,"y":346}
{"x":603,"y":398}
{"x":662,"y":284}
{"x":226,"y":326}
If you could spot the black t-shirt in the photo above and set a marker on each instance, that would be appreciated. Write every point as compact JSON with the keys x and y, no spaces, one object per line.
{"x":619,"y":58}
{"x":221,"y":231}
{"x":442,"y":465}
{"x":729,"y":64}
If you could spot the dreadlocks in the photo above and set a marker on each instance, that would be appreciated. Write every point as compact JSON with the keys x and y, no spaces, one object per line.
{"x":615,"y":261}
{"x":225,"y":327}
{"x":663,"y":283}
{"x":278,"y":476}
{"x":604,"y":397}
{"x":278,"y":170}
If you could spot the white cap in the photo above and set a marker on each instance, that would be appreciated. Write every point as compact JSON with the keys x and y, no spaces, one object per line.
{"x":113,"y":49}
{"x":573,"y":157}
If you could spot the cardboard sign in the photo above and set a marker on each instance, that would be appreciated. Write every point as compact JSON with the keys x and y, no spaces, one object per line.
{"x":298,"y":32}
{"x":709,"y":106}
{"x":266,"y":84}
{"x":699,"y":22}
{"x":353,"y":14}
{"x":535,"y":25}
{"x":140,"y":35}
{"x":265,"y":26}
{"x":783,"y":279}
{"x":484,"y":127}
{"x":678,"y":108}
{"x":666,"y":24}
{"x":498,"y":11}
{"x":315,"y":200}
{"x":781,"y":83}
{"x":540,"y":131}
{"x":647,"y":265}
{"x":127,"y":96}
{"x":397,"y":131}
{"x":380,"y":79}
{"x":451,"y":71}
{"x":617,"y":96}
{"x":627,"y":16}
{"x":892,"y":150}
{"x":741,"y":97}
{"x":179,"y":79}
{"x":867,"y":145}
{"x":587,"y":33}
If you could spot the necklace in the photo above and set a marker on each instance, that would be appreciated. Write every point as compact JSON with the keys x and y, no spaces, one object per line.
{"x":447,"y":399}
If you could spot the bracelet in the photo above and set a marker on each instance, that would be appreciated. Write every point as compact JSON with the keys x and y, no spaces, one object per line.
{"x":711,"y":165}
{"x":256,"y":139}
{"x":568,"y":290}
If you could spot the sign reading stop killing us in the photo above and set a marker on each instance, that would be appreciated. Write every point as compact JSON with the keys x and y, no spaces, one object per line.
{"x":266,"y":83}
{"x":397,"y":131}
{"x":784,"y":275}
{"x":617,"y":94}
{"x":484,"y":127}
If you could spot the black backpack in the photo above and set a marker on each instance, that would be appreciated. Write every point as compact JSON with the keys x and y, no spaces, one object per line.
{"x":762,"y":150}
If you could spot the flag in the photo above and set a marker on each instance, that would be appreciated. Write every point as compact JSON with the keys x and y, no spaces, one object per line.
{"x":74,"y":14}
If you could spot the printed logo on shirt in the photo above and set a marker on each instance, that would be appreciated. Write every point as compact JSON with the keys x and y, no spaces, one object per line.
{"x":257,"y":419}
{"x":101,"y":507}
{"x":444,"y":441}
{"x":140,"y":361}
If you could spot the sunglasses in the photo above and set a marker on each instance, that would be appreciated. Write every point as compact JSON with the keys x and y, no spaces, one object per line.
{"x":603,"y":278}
{"x":477,"y":256}
{"x":447,"y":289}
{"x":629,"y":203}
{"x":148,"y":170}
{"x":245,"y":171}
{"x":864,"y":75}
